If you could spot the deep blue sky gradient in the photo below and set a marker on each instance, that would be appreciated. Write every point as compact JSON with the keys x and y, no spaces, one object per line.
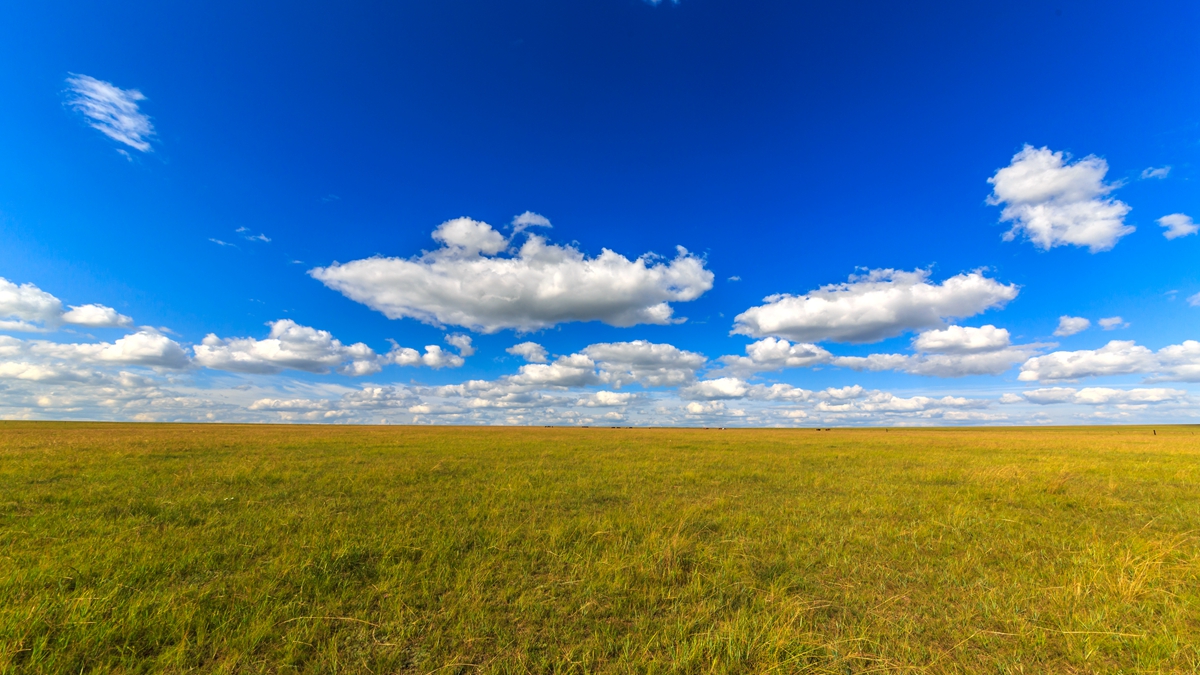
{"x":788,"y":142}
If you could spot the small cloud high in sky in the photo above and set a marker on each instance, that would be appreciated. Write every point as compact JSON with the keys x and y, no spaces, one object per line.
{"x":320,"y":223}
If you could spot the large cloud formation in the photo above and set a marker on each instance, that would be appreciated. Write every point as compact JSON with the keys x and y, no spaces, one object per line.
{"x":1056,"y":203}
{"x":26,"y":307}
{"x":873,"y":306}
{"x":474,"y":280}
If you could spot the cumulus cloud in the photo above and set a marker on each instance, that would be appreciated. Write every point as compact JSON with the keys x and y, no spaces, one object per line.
{"x":771,"y":354}
{"x":1070,"y":325}
{"x":575,"y":370}
{"x":462,"y":343}
{"x":963,"y":340}
{"x":467,"y":282}
{"x":1053,"y":202}
{"x":111,"y":110}
{"x":1102,"y":396}
{"x":1112,"y":323}
{"x":606,"y":399}
{"x":530,"y":351}
{"x":646,"y":363}
{"x":289,"y":346}
{"x":938,"y":365}
{"x":707,"y":408}
{"x":873,"y":306}
{"x":718,"y":388}
{"x":1153,"y":172}
{"x":886,"y":402}
{"x":434,"y":357}
{"x":955,"y":351}
{"x":143,"y":348}
{"x":1179,"y":362}
{"x":1178,"y":225}
{"x":43,"y":360}
{"x":96,"y":316}
{"x":27,"y":308}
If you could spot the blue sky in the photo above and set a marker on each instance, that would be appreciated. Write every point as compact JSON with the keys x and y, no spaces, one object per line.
{"x":269,"y":213}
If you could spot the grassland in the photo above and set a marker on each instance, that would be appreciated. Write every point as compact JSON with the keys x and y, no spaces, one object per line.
{"x":206,"y":548}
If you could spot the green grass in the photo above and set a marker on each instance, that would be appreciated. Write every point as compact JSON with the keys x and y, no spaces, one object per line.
{"x":204,"y":548}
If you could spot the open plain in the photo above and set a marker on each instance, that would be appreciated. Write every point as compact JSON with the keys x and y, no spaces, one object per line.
{"x":219,"y":548}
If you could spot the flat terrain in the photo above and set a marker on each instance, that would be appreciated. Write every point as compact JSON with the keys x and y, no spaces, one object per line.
{"x":212,"y":548}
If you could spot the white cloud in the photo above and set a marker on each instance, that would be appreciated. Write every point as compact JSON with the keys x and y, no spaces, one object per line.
{"x":874,"y":306}
{"x":143,"y":348}
{"x":939,"y":365}
{"x":1180,"y":362}
{"x":886,"y":402}
{"x":30,"y":309}
{"x":111,"y":110}
{"x":146,"y":347}
{"x":962,"y":340}
{"x":1112,"y":323}
{"x":955,"y":351}
{"x":529,"y":219}
{"x":27,"y":307}
{"x":719,"y":388}
{"x":606,"y":399}
{"x":463,"y":237}
{"x":96,"y":316}
{"x":1055,"y":203}
{"x":646,"y":363}
{"x":466,"y":283}
{"x":1194,"y":300}
{"x":462,"y":343}
{"x":1178,"y":225}
{"x":1070,"y":325}
{"x":530,"y":351}
{"x":1119,"y":357}
{"x":289,"y":346}
{"x":1152,"y":172}
{"x":737,"y":388}
{"x":576,"y":370}
{"x":1102,"y":396}
{"x":770,"y":354}
{"x":434,"y":357}
{"x":710,"y":408}
{"x":843,"y":393}
{"x":244,"y":231}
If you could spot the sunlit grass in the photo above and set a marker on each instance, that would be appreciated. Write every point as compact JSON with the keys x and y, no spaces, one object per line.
{"x":172,"y":548}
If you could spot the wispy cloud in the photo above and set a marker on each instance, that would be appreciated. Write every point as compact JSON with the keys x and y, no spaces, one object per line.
{"x":1152,"y":172}
{"x":111,"y":110}
{"x":253,"y":237}
{"x":218,"y":242}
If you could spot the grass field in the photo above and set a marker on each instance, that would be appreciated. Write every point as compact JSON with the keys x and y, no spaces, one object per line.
{"x":212,"y":548}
